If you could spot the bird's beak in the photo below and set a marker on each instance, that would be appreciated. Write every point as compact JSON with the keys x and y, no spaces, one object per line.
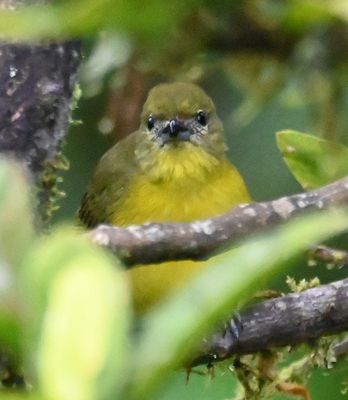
{"x":175,"y":130}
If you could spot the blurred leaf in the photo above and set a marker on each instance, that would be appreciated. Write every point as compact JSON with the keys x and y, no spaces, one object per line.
{"x":19,"y":396}
{"x":174,"y":330}
{"x":16,"y":215}
{"x":260,"y":77}
{"x":110,"y":51}
{"x":338,"y":8}
{"x":313,"y":161}
{"x":296,"y":15}
{"x":78,"y":330}
{"x":16,"y":234}
{"x":81,"y":17}
{"x":11,"y":333}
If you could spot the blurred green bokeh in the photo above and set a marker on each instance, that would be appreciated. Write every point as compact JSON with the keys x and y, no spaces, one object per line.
{"x":269,"y":65}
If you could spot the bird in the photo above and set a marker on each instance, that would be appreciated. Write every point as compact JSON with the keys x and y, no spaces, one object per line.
{"x":174,"y":168}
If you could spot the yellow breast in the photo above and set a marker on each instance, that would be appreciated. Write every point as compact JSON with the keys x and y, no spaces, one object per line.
{"x":184,"y":186}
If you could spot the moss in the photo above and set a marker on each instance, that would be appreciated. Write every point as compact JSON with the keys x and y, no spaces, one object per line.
{"x":49,"y":192}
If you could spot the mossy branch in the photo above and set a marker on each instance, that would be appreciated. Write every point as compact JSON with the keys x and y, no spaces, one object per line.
{"x":284,"y":321}
{"x":37,"y":81}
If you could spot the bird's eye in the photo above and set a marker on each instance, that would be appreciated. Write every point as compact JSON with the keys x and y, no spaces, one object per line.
{"x":150,"y":122}
{"x":201,"y":118}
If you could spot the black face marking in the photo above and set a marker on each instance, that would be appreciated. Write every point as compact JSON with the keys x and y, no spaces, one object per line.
{"x":173,"y":127}
{"x":150,"y":122}
{"x":174,"y":130}
{"x":201,"y":117}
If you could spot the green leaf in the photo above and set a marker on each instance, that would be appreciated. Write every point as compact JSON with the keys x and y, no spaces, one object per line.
{"x":313,"y":161}
{"x":16,"y":216}
{"x":79,"y":318}
{"x":81,"y":17}
{"x":11,"y":332}
{"x":175,"y":330}
{"x":16,"y":235}
{"x":19,"y":396}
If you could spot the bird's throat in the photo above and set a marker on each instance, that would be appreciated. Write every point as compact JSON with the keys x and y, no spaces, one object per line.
{"x":181,"y":163}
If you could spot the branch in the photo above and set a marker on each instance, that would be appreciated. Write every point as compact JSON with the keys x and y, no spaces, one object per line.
{"x":36,"y":87}
{"x":334,"y":257}
{"x":198,"y":240}
{"x":287,"y":320}
{"x":340,"y":349}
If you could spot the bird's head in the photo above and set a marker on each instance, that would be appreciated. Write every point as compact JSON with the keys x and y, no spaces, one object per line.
{"x":180,"y":134}
{"x":180,"y":115}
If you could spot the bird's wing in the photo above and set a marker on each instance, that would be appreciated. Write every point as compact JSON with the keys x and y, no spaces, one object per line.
{"x":110,"y":178}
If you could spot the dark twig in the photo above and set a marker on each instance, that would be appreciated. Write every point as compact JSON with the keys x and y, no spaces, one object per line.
{"x":153,"y":243}
{"x":287,"y":320}
{"x":328,"y":255}
{"x":341,"y":349}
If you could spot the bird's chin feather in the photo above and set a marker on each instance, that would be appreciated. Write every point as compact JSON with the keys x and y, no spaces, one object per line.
{"x":180,"y":161}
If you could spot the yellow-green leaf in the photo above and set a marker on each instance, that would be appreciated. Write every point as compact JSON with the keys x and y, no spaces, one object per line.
{"x":78,"y":331}
{"x":313,"y":161}
{"x":16,"y":215}
{"x":16,"y":235}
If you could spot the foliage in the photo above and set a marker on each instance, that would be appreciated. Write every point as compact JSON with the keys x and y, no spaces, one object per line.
{"x":65,"y":317}
{"x":313,"y":161}
{"x":64,"y":288}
